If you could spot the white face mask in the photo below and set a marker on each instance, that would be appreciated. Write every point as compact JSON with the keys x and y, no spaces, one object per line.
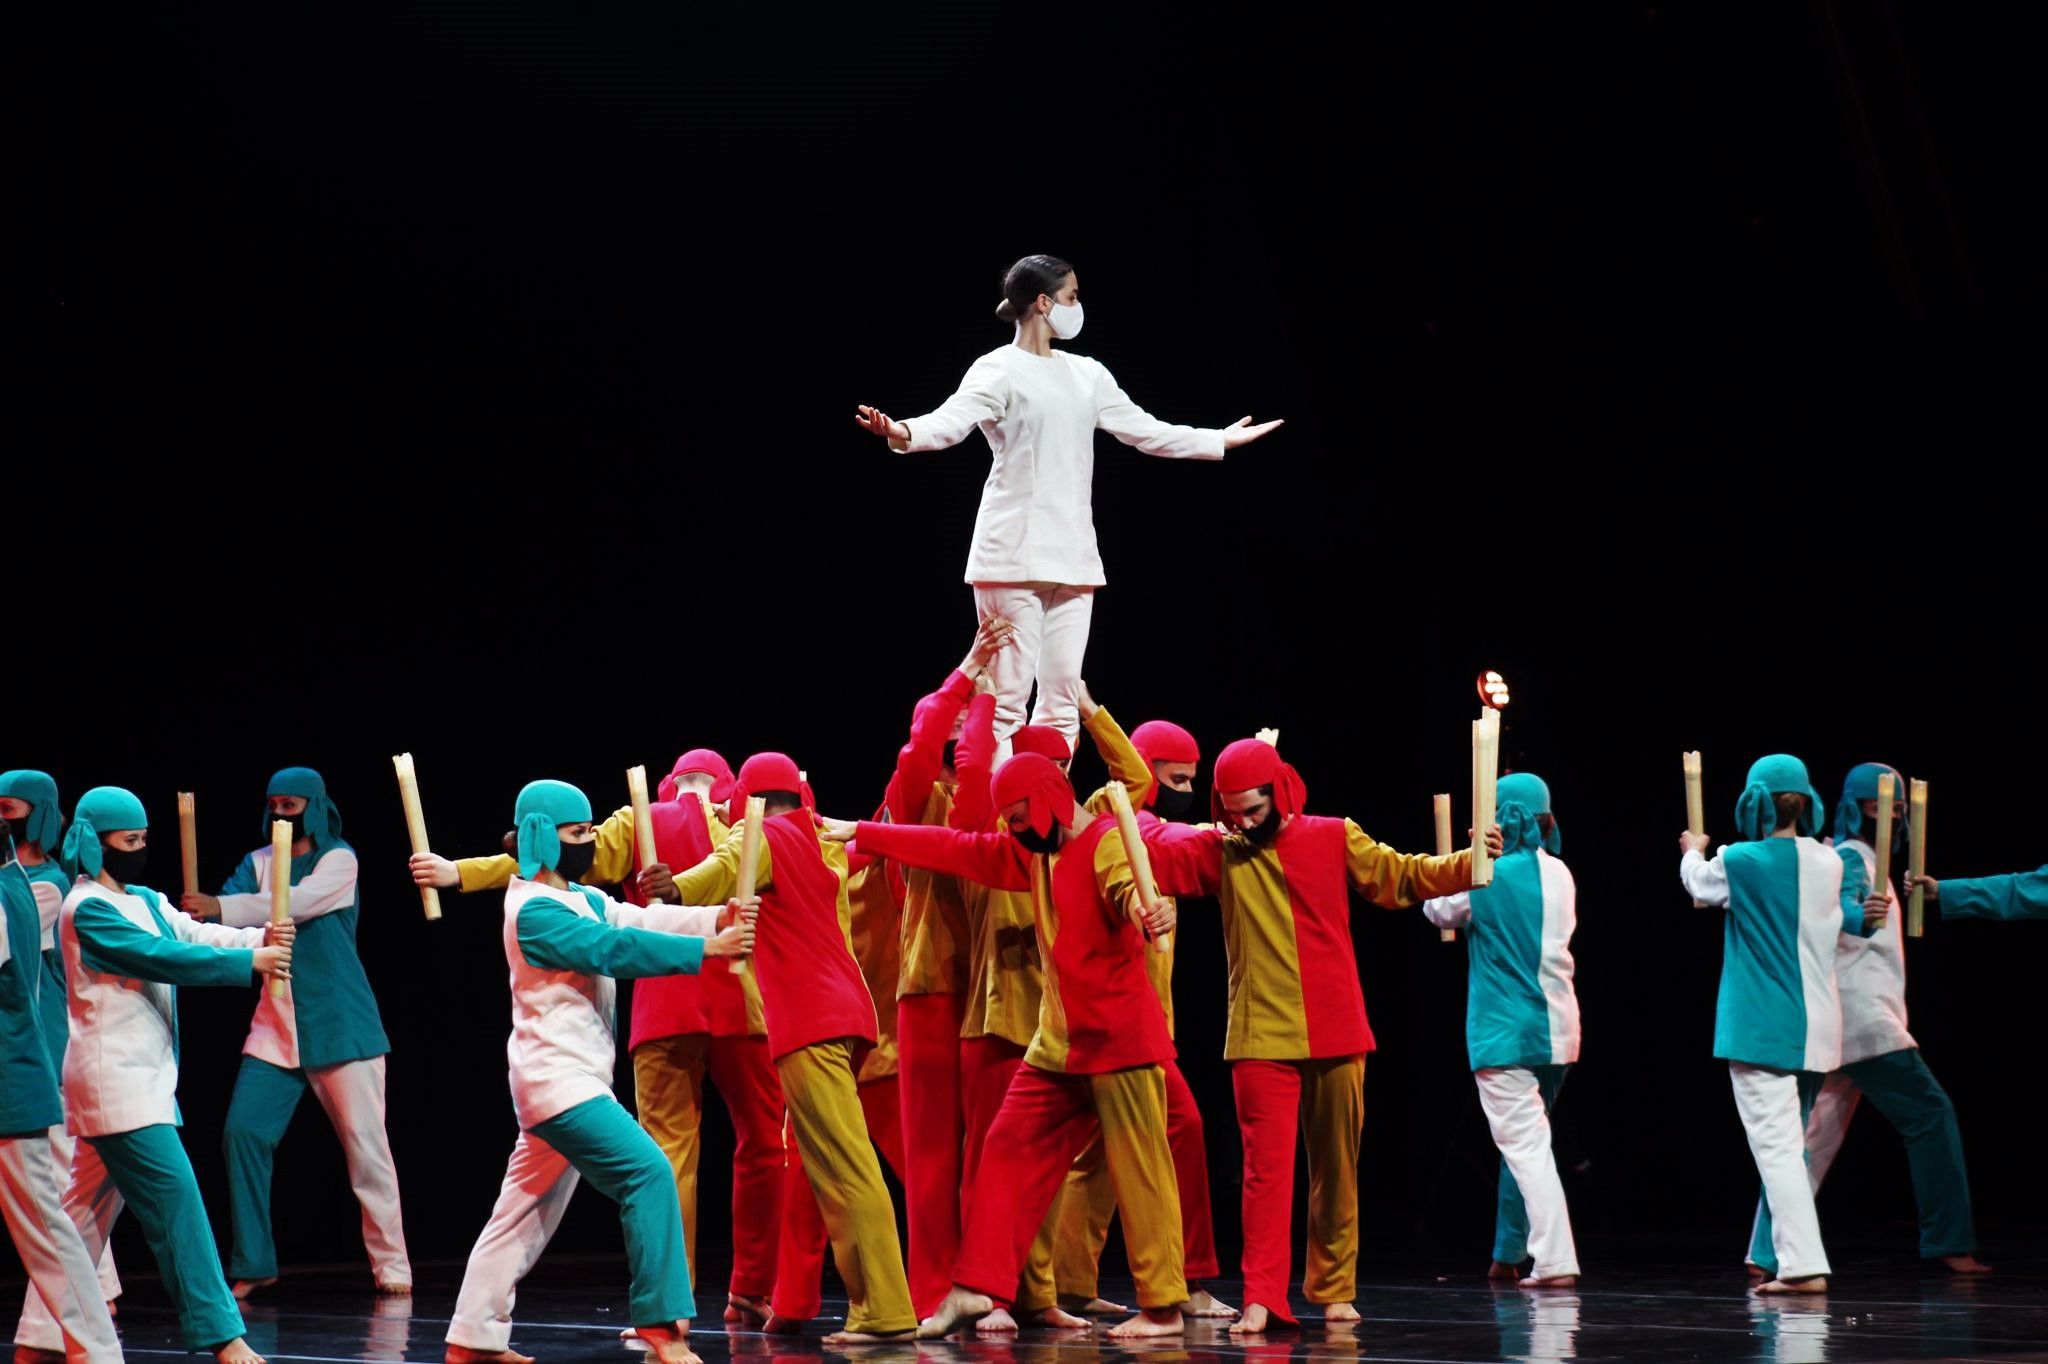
{"x":1065,"y":320}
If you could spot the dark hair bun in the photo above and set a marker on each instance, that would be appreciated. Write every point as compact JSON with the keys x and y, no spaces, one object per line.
{"x":1006,"y":311}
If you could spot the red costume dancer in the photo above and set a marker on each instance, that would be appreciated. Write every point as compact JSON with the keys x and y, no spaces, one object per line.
{"x":1297,"y":1034}
{"x":820,"y":1022}
{"x":1168,"y":756}
{"x":1094,"y":1063}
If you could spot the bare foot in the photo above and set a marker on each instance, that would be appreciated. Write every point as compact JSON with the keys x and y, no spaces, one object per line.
{"x":1153,"y":1321}
{"x":1058,"y":1318}
{"x":1553,"y":1281}
{"x":960,"y":1308}
{"x":1814,"y":1283}
{"x":842,"y":1338}
{"x":743,"y":1309}
{"x":1757,"y":1273}
{"x":1092,"y":1307}
{"x":237,"y":1351}
{"x":462,"y":1354}
{"x":1341,"y":1311}
{"x":1203,"y":1303}
{"x":669,"y":1344}
{"x":784,"y":1326}
{"x":395,"y":1290}
{"x":1253,"y":1322}
{"x":244,"y":1287}
{"x":997,"y":1323}
{"x":29,"y":1354}
{"x":1501,"y":1273}
{"x":1965,"y":1264}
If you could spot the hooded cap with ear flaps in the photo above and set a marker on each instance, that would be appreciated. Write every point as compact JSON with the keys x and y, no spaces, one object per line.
{"x":1520,"y":798}
{"x":102,"y":810}
{"x":1032,"y":778}
{"x":1249,"y":764}
{"x":1756,"y":814}
{"x":542,"y":805}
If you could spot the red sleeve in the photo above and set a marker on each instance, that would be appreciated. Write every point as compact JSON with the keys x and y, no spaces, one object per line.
{"x":990,"y":859}
{"x":972,"y":762}
{"x":920,"y":761}
{"x":1186,"y":859}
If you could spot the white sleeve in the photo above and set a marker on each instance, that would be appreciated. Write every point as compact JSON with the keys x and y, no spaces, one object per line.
{"x":983,"y":396}
{"x":331,"y":885}
{"x":49,"y":908}
{"x":1133,"y":425}
{"x":1707,"y":881}
{"x":1449,"y":911}
{"x":190,"y":929}
{"x":689,"y":921}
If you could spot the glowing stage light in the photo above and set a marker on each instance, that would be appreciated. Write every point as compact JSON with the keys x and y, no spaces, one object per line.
{"x":1493,"y":690}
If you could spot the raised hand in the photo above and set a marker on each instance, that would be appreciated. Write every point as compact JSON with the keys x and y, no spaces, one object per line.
{"x":429,"y":869}
{"x":876,"y":422}
{"x":1239,"y":432}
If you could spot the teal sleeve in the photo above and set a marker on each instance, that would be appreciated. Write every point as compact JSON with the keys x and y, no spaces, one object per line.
{"x":553,"y":937}
{"x":109,"y":942}
{"x":243,"y":882}
{"x":1855,"y":885}
{"x":2022,"y":895}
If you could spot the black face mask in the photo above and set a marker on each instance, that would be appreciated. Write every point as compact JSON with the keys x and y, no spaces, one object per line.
{"x":17,"y":829}
{"x":1171,"y":802}
{"x":1037,"y":842}
{"x":573,"y":862}
{"x":1266,"y":830}
{"x":297,"y":821}
{"x":125,"y":865}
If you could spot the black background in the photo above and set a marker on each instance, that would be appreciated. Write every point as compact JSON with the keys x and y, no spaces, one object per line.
{"x":478,"y":384}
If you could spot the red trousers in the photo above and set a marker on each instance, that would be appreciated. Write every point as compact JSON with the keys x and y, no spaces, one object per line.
{"x":928,"y":1083}
{"x":1324,"y":1103}
{"x":668,"y":1081}
{"x":1045,"y":1121}
{"x":802,"y":1262}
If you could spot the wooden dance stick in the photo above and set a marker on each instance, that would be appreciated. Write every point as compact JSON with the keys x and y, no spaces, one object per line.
{"x":1444,"y":848}
{"x":1887,"y":792}
{"x":416,"y":826}
{"x":1695,"y":805}
{"x":1140,"y":857}
{"x":1916,"y":865}
{"x":643,"y":822}
{"x":280,"y":885}
{"x":188,"y":840}
{"x":750,"y":862}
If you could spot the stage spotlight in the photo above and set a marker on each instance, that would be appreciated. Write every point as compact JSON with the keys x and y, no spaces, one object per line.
{"x":1493,"y":690}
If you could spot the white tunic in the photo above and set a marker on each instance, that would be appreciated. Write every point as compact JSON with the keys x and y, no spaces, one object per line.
{"x":121,"y":1069}
{"x":1871,"y":974}
{"x":1040,"y":414}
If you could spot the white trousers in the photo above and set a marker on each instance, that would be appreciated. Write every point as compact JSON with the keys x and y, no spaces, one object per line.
{"x":90,"y":1203}
{"x":1052,"y":637}
{"x":1521,"y":1129}
{"x":539,"y":1181}
{"x":62,"y":1144}
{"x":1768,"y":1102}
{"x":60,"y":1268}
{"x":1827,"y":1124}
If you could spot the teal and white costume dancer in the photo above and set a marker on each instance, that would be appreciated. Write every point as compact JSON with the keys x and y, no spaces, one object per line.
{"x":125,"y":954}
{"x":32,"y":1183}
{"x":323,"y":1034}
{"x":566,"y":945}
{"x":35,"y":833}
{"x":1522,"y":1020}
{"x":1778,"y":1020}
{"x":1879,"y":1056}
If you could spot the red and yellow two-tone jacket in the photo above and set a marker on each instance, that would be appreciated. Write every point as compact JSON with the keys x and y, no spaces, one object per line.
{"x":1098,"y":1012}
{"x":936,"y":944}
{"x":1294,"y":989}
{"x":811,"y":986}
{"x":1005,"y":980}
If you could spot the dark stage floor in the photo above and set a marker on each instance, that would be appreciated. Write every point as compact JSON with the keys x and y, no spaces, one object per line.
{"x":571,"y":1308}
